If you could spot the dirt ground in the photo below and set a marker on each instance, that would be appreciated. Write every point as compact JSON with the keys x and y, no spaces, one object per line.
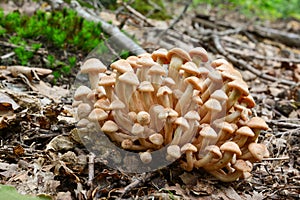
{"x":39,"y":151}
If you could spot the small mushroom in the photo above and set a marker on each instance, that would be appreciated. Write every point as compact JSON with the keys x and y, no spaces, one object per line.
{"x":164,"y":95}
{"x":182,"y":126}
{"x":229,"y":148}
{"x":210,"y":152}
{"x":255,"y":152}
{"x":188,"y":149}
{"x":257,"y":124}
{"x":208,"y":136}
{"x":173,"y":153}
{"x":83,"y":110}
{"x":146,"y":157}
{"x":242,"y":134}
{"x":81,"y":94}
{"x":93,"y":67}
{"x":198,"y":55}
{"x":156,"y":139}
{"x":97,"y":115}
{"x":107,"y":82}
{"x":160,"y":56}
{"x":239,"y":88}
{"x":212,"y":107}
{"x":146,"y":89}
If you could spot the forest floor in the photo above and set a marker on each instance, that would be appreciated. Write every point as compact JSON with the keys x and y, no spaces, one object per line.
{"x":39,"y":152}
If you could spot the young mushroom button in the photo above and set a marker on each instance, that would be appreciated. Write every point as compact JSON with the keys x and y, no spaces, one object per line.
{"x":188,"y":149}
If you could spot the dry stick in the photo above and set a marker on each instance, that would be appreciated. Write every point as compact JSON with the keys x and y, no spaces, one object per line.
{"x":138,"y":182}
{"x":256,"y":56}
{"x":121,"y":40}
{"x":91,"y":169}
{"x":284,"y":124}
{"x":109,"y":47}
{"x":187,"y":5}
{"x":137,"y":14}
{"x":247,"y":66}
{"x":39,"y":51}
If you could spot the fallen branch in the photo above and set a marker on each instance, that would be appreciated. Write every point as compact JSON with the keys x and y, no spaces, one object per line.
{"x":247,"y":66}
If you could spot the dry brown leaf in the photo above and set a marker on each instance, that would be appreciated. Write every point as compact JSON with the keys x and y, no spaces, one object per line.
{"x":54,"y":93}
{"x":7,"y":103}
{"x":59,"y":143}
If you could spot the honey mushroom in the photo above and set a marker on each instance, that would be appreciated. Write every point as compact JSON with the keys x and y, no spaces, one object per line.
{"x":201,"y":115}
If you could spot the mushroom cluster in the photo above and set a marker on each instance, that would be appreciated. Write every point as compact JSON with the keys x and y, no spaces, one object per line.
{"x":200,"y":111}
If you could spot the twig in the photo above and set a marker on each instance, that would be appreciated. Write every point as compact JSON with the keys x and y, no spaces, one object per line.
{"x":247,"y":66}
{"x":137,"y":14}
{"x":138,"y":182}
{"x":275,"y":159}
{"x":284,"y":124}
{"x":109,"y":47}
{"x":277,"y":59}
{"x":39,"y":51}
{"x":187,"y":5}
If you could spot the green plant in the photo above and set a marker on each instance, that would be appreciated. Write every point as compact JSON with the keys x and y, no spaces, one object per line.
{"x":10,"y":193}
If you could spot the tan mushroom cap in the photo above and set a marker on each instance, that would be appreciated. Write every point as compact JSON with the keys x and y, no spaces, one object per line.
{"x":257,"y":123}
{"x":167,"y":112}
{"x":156,"y":139}
{"x":103,"y":104}
{"x":157,"y":69}
{"x":97,"y":115}
{"x":143,"y":118}
{"x":208,"y":133}
{"x":180,"y":121}
{"x":231,"y":147}
{"x":163,"y":90}
{"x":145,"y":86}
{"x":199,"y":52}
{"x":93,"y":65}
{"x":146,"y":157}
{"x":219,"y":95}
{"x":242,"y":165}
{"x":107,"y":81}
{"x":203,"y":71}
{"x":215,"y":150}
{"x":192,"y":115}
{"x":132,"y":60}
{"x":81,"y":92}
{"x":190,"y":67}
{"x":248,"y":100}
{"x":239,"y":85}
{"x":109,"y":127}
{"x":174,"y":151}
{"x":219,"y":62}
{"x":146,"y":61}
{"x":258,"y":151}
{"x":83,"y":110}
{"x":194,"y":81}
{"x":137,"y":129}
{"x":121,"y":66}
{"x":179,"y":53}
{"x":225,"y":126}
{"x":129,"y":78}
{"x":213,"y":105}
{"x":188,"y":147}
{"x":160,"y":54}
{"x":245,"y":131}
{"x":116,"y":105}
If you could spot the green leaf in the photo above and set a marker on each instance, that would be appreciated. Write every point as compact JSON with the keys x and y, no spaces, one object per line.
{"x":10,"y":193}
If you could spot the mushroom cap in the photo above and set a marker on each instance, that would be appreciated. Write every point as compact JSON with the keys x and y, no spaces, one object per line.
{"x":156,"y":139}
{"x":103,"y":104}
{"x":213,"y":105}
{"x":174,"y":151}
{"x":146,"y":61}
{"x":208,"y":133}
{"x":242,"y":165}
{"x":195,"y":82}
{"x":225,"y":126}
{"x":82,"y":123}
{"x":219,"y":95}
{"x":163,"y":90}
{"x":93,"y":65}
{"x":97,"y":115}
{"x":192,"y":115}
{"x":258,"y":150}
{"x":83,"y":110}
{"x":116,"y":105}
{"x":190,"y":67}
{"x":160,"y":54}
{"x":168,"y":81}
{"x":188,"y":147}
{"x":143,"y":118}
{"x":232,"y":75}
{"x":137,"y":129}
{"x":81,"y":92}
{"x":181,"y":121}
{"x":231,"y":147}
{"x":129,"y":78}
{"x":245,"y":131}
{"x":107,"y":81}
{"x":199,"y":52}
{"x":219,"y":62}
{"x":215,"y":150}
{"x":157,"y":70}
{"x":132,"y":61}
{"x":240,"y":85}
{"x":109,"y":127}
{"x":179,"y":53}
{"x":248,"y":100}
{"x":121,"y":66}
{"x":203,"y":71}
{"x":215,"y":76}
{"x":146,"y":157}
{"x":146,"y":86}
{"x":257,"y":123}
{"x":126,"y":144}
{"x":167,"y":112}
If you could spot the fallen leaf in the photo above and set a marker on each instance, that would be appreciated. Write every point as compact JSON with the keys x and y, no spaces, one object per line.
{"x":6,"y":102}
{"x":59,"y":143}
